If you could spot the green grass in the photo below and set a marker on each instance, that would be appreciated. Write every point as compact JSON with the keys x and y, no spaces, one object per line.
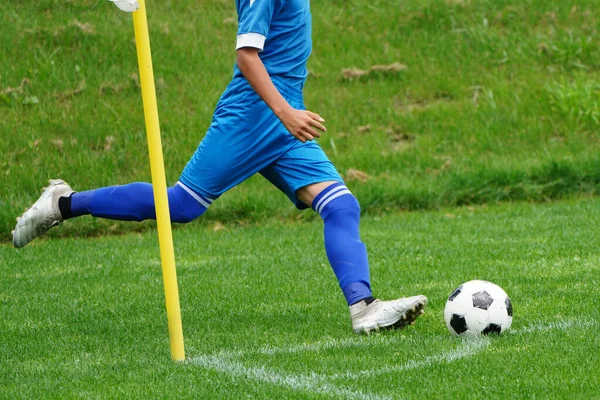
{"x":263,"y":317}
{"x":499,"y":100}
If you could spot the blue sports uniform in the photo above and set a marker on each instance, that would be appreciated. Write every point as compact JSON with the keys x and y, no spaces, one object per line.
{"x":245,"y":136}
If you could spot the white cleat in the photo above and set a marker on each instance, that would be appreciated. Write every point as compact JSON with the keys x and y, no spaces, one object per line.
{"x":386,"y":314}
{"x":41,"y":216}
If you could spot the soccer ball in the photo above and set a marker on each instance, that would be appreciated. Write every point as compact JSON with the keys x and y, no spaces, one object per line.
{"x":478,"y":307}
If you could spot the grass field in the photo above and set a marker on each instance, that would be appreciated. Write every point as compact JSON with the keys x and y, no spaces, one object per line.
{"x":497,"y":101}
{"x":263,"y":317}
{"x":483,"y":115}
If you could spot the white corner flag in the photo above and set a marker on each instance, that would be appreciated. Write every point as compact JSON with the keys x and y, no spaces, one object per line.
{"x":126,"y":5}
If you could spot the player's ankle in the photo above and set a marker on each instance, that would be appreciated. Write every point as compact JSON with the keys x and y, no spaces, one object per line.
{"x":64,"y":206}
{"x":367,"y":300}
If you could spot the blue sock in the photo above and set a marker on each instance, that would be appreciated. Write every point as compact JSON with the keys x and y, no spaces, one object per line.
{"x":346,"y":253}
{"x":135,"y":202}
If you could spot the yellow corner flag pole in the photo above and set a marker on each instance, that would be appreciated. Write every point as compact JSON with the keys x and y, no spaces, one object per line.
{"x":157,"y":167}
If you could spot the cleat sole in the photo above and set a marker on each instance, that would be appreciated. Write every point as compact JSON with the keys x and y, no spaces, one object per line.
{"x":410,"y":315}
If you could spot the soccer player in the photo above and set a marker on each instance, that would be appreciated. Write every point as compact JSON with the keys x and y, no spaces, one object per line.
{"x":259,"y":125}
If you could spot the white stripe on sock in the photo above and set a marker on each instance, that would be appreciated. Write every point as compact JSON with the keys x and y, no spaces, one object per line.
{"x":205,"y":203}
{"x":337,"y":189}
{"x":335,"y":196}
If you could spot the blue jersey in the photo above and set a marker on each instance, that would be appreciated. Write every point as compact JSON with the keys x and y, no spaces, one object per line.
{"x":281,"y":31}
{"x":245,"y":136}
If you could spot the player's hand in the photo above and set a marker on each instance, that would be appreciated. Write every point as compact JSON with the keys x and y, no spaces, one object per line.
{"x":303,"y":124}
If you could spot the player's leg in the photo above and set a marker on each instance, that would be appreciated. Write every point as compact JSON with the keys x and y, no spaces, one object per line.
{"x":309,"y":179}
{"x":347,"y":255}
{"x":132,"y":202}
{"x":231,"y":151}
{"x":345,"y":251}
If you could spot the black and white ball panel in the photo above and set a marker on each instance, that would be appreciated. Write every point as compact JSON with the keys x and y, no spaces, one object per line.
{"x":478,"y":307}
{"x":508,"y":305}
{"x":482,"y":299}
{"x":458,"y":323}
{"x":455,"y":293}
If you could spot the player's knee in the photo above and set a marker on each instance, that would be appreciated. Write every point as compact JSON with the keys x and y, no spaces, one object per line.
{"x":343,"y":210}
{"x":336,"y":199}
{"x":355,"y":204}
{"x":349,"y":209}
{"x":183,"y":206}
{"x":184,"y":217}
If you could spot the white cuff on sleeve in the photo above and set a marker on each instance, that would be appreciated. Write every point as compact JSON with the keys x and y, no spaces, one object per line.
{"x":255,"y":40}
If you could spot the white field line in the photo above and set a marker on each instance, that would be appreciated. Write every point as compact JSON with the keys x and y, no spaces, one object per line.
{"x":468,"y":348}
{"x":312,"y":383}
{"x":554,"y":326}
{"x":318,"y":383}
{"x":374,"y":340}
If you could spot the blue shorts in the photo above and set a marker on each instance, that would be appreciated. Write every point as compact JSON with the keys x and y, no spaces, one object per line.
{"x":245,"y":137}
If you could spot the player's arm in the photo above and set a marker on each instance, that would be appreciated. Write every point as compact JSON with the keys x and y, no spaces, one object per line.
{"x":303,"y":124}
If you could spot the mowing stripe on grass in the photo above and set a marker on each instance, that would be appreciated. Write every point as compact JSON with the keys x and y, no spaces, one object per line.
{"x":312,"y":383}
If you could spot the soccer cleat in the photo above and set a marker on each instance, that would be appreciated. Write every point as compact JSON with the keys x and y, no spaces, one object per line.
{"x":41,"y":216}
{"x":386,"y":314}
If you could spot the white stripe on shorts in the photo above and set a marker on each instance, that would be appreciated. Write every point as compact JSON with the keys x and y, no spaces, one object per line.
{"x":329,"y":198}
{"x":205,"y":201}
